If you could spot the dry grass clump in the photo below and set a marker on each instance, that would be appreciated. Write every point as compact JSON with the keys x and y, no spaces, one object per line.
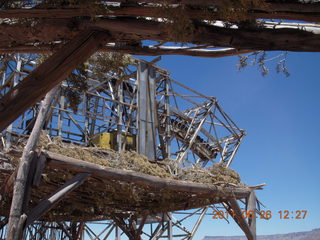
{"x":71,"y":150}
{"x":130,"y":160}
{"x":136,"y":162}
{"x":224,"y":174}
{"x":235,"y":11}
{"x":127,"y":160}
{"x":98,"y":198}
{"x":178,"y":24}
{"x":214,"y":175}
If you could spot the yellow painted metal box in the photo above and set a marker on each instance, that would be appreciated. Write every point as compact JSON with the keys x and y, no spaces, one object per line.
{"x":109,"y":140}
{"x":103,"y":140}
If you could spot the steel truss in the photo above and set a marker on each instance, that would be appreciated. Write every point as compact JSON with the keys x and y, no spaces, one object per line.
{"x":169,"y":121}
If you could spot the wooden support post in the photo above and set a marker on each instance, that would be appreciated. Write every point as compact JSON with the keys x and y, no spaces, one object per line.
{"x":123,"y":226}
{"x":41,"y":162}
{"x":239,"y":219}
{"x":142,"y":223}
{"x":20,"y":186}
{"x":55,"y":197}
{"x":3,"y":223}
{"x":54,"y":70}
{"x":80,"y":231}
{"x":64,"y":229}
{"x":251,"y":208}
{"x":26,"y":199}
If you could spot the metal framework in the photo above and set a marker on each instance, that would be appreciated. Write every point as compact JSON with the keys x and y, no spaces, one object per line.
{"x":166,"y":120}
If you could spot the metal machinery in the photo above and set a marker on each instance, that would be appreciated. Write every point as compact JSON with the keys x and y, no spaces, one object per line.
{"x":147,"y":112}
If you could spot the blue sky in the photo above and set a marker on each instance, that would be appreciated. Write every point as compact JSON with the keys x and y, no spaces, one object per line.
{"x":282,"y":118}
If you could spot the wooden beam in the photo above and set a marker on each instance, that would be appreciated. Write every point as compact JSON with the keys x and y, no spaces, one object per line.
{"x":80,"y":231}
{"x":20,"y":228}
{"x":55,"y":69}
{"x":64,"y":229}
{"x":55,"y":32}
{"x":123,"y":226}
{"x":168,"y":50}
{"x":274,"y":5}
{"x":141,"y":225}
{"x":310,"y":15}
{"x":41,"y":162}
{"x":20,"y":186}
{"x":238,"y":217}
{"x":63,"y":162}
{"x":45,"y":205}
{"x":32,"y":169}
{"x":3,"y":223}
{"x":251,"y":208}
{"x":140,"y":50}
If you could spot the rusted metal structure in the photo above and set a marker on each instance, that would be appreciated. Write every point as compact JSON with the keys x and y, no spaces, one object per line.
{"x":149,"y":113}
{"x":139,"y":114}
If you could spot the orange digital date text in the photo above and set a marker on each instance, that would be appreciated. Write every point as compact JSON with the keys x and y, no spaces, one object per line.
{"x":282,"y":214}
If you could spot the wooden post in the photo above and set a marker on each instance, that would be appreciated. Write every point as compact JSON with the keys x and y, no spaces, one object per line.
{"x":123,"y":226}
{"x":55,"y":197}
{"x":252,"y":208}
{"x":41,"y":162}
{"x":240,"y":220}
{"x":80,"y":231}
{"x":54,"y":70}
{"x":20,"y":185}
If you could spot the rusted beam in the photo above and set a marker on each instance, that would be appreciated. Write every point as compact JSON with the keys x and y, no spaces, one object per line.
{"x":55,"y":69}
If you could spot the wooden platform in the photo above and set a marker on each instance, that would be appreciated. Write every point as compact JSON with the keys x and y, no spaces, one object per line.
{"x":110,"y":191}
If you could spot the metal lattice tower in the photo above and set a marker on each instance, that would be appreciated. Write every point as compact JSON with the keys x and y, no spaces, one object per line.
{"x":149,"y":113}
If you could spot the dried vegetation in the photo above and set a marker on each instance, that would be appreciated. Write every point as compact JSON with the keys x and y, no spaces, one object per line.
{"x":97,"y":198}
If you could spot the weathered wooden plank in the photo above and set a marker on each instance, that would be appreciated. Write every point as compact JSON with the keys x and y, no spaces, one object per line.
{"x":252,"y":209}
{"x":313,"y":15}
{"x":138,"y":50}
{"x":19,"y":231}
{"x":55,"y":69}
{"x":8,"y":187}
{"x":45,"y":205}
{"x":41,"y":162}
{"x":29,"y":180}
{"x":50,"y":32}
{"x":20,"y":186}
{"x":272,"y":5}
{"x":238,"y":217}
{"x":3,"y":223}
{"x":62,"y":162}
{"x":124,"y":227}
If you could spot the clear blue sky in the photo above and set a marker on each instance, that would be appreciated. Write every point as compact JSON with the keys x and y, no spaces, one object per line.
{"x":282,"y":118}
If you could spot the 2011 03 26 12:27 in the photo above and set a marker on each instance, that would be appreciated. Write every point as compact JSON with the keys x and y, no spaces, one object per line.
{"x":282,"y":214}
